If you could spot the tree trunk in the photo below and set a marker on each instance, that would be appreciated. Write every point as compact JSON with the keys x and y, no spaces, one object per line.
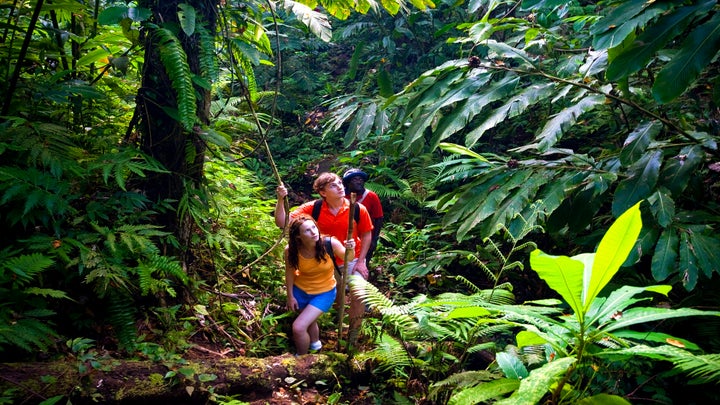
{"x":182,"y":152}
{"x":140,"y":382}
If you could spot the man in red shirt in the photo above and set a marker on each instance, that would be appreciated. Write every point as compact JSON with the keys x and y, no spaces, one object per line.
{"x":333,"y":220}
{"x":354,"y":182}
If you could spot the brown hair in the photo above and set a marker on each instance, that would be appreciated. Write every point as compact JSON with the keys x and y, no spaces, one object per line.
{"x":294,"y":238}
{"x":323,"y":180}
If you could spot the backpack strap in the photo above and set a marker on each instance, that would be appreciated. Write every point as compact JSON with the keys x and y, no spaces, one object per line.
{"x":316,"y":209}
{"x":317,"y":205}
{"x":329,"y":250}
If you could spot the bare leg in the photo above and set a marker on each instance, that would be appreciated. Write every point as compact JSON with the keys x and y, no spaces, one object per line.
{"x":356,"y":312}
{"x":314,"y":332}
{"x":305,"y":327}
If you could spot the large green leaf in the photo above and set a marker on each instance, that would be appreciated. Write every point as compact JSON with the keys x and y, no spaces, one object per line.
{"x":696,"y":52}
{"x":477,"y":199}
{"x":432,"y":85}
{"x":654,"y":38}
{"x":187,"y":17}
{"x":554,"y":192}
{"x":665,"y":256}
{"x":563,"y":274}
{"x":115,"y":14}
{"x":318,"y":23}
{"x":515,"y":183}
{"x":604,"y":399}
{"x":662,"y":353}
{"x":623,"y":21}
{"x":706,"y":249}
{"x":515,"y":202}
{"x":687,"y":266}
{"x":511,"y":366}
{"x":662,"y":207}
{"x":638,"y":141}
{"x":612,"y":252}
{"x":461,"y":150}
{"x":643,"y":178}
{"x":636,"y":316}
{"x":343,"y":108}
{"x":485,"y":391}
{"x":463,"y":113}
{"x":505,"y":51}
{"x":677,"y":171}
{"x":554,"y":128}
{"x":515,"y":105}
{"x":536,"y":385}
{"x":443,"y":98}
{"x":363,"y":122}
{"x":500,"y":114}
{"x":619,"y":300}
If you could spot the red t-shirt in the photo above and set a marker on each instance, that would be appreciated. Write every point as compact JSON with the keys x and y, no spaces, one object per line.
{"x":371,"y":201}
{"x":337,"y":225}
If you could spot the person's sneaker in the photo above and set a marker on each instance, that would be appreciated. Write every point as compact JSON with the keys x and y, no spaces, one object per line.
{"x":316,"y":345}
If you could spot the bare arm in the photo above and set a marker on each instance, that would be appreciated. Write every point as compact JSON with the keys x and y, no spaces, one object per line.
{"x":292,"y":304}
{"x":339,"y":248}
{"x":361,"y":265}
{"x":281,"y":217}
{"x":377,"y":224}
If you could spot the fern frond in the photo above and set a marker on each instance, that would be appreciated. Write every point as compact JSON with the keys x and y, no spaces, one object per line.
{"x":124,"y":162}
{"x":383,"y":191}
{"x":46,"y":292}
{"x":25,"y":331}
{"x":165,"y":268}
{"x":484,"y":346}
{"x":24,"y":268}
{"x":489,"y":331}
{"x":390,"y":353}
{"x":169,"y":267}
{"x":467,"y":282}
{"x":368,"y":293}
{"x":462,"y":379}
{"x":121,"y":315}
{"x":145,"y":279}
{"x":473,"y":259}
{"x":23,"y":192}
{"x":207,"y":58}
{"x":174,"y":60}
{"x":704,"y":367}
{"x":243,"y":59}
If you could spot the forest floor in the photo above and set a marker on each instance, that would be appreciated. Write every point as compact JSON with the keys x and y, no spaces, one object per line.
{"x":272,"y":380}
{"x":353,"y":392}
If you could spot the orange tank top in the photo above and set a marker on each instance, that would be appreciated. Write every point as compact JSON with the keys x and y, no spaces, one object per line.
{"x":315,"y":277}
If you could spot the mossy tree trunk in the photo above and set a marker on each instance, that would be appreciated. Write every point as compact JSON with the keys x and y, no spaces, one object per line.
{"x":162,"y":136}
{"x":136,"y":382}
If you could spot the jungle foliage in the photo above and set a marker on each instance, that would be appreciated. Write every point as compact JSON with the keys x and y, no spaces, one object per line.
{"x":141,"y":143}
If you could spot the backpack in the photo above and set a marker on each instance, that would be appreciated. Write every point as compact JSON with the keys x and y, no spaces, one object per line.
{"x":318,"y":204}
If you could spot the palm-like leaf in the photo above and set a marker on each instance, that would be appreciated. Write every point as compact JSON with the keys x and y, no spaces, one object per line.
{"x":699,"y":48}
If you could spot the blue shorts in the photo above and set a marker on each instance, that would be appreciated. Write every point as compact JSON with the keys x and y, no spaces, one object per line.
{"x":322,"y":301}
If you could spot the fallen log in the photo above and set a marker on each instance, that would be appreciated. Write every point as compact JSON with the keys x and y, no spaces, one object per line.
{"x":177,"y":382}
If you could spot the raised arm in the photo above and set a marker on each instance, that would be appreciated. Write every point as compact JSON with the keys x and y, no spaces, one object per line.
{"x":339,"y":248}
{"x":281,"y":216}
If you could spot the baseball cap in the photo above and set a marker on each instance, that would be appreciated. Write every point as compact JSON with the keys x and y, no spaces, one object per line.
{"x":350,"y":173}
